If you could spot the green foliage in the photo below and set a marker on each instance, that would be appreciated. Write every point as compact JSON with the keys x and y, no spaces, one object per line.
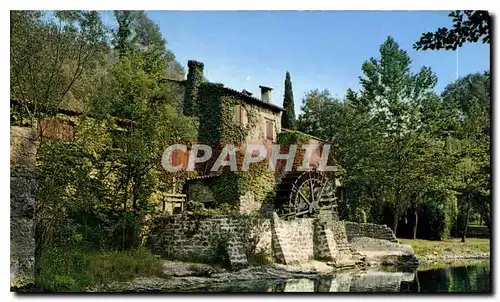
{"x":94,"y":192}
{"x":259,"y":181}
{"x":288,"y":119}
{"x":437,"y":215}
{"x":423,"y":248}
{"x":61,"y":270}
{"x":217,"y":117}
{"x":193,"y":82}
{"x":475,"y":27}
{"x":317,"y":108}
{"x":137,"y":32}
{"x":468,"y":101}
{"x":220,"y":241}
{"x":50,"y":56}
{"x":402,"y":145}
{"x":216,"y":127}
{"x":198,"y":208}
{"x":386,"y":156}
{"x":293,"y":137}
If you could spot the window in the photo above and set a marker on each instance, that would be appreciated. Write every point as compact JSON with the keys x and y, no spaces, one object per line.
{"x":270,"y":129}
{"x":238,"y":114}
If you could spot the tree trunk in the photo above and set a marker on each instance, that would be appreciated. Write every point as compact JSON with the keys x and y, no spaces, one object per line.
{"x":487,"y":221}
{"x":464,"y":234}
{"x":395,"y":223}
{"x":415,"y":224}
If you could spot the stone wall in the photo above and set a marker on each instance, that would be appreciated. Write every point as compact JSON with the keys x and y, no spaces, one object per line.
{"x":22,"y":205}
{"x":340,"y":236}
{"x":201,"y":238}
{"x":371,"y":230}
{"x":189,"y":237}
{"x":325,"y":246}
{"x":248,"y":205}
{"x":293,"y":240}
{"x":236,"y":239}
{"x":202,"y":190}
{"x":258,"y":131}
{"x":209,"y":238}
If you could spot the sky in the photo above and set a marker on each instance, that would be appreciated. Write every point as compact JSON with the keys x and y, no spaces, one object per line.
{"x":320,"y":49}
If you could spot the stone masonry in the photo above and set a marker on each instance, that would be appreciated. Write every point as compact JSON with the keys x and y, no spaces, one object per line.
{"x":22,"y":205}
{"x":293,"y":240}
{"x":371,"y":230}
{"x":206,"y":238}
{"x":197,"y":238}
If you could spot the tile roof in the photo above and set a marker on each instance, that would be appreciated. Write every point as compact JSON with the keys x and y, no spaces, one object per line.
{"x":252,"y":100}
{"x":242,"y":94}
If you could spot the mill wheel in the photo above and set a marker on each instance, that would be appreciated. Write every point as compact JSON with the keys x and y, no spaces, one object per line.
{"x":302,"y":194}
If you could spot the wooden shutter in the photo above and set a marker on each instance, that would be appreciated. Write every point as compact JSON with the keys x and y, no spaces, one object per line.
{"x":269,"y":130}
{"x":238,"y":118}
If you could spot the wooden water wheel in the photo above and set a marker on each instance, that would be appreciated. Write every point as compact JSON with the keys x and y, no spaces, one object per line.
{"x":302,"y":194}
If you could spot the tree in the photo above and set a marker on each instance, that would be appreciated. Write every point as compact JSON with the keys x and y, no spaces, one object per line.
{"x":392,"y":95}
{"x":123,"y":36}
{"x":288,"y":118}
{"x":469,"y":100}
{"x":475,"y":27}
{"x":315,"y":113}
{"x":97,"y":189}
{"x":50,"y":56}
{"x":386,"y":136}
{"x":137,"y":31}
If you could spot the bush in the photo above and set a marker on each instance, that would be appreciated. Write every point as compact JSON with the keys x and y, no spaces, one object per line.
{"x":60,"y":270}
{"x":437,"y":216}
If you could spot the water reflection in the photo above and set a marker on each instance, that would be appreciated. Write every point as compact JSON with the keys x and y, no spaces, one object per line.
{"x":468,"y":278}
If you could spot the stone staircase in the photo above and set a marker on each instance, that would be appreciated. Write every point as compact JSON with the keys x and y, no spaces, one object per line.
{"x":347,"y":255}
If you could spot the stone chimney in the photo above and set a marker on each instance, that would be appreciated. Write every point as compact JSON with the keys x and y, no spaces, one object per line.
{"x":193,"y":81}
{"x":265,"y":94}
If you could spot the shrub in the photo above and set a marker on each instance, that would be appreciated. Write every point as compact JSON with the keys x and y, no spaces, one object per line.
{"x":220,"y":240}
{"x":437,"y":216}
{"x":60,"y":270}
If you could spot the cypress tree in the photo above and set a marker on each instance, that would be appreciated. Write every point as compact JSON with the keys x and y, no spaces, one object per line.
{"x":288,"y":118}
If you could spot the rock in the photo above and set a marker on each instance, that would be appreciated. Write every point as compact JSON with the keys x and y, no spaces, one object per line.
{"x":181,"y":269}
{"x":22,"y":207}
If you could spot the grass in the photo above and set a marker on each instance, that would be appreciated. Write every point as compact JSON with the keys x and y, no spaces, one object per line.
{"x":75,"y":270}
{"x":424,"y":248}
{"x":458,"y":263}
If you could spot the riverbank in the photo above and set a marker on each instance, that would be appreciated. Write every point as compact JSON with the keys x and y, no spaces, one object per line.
{"x":313,"y":276}
{"x":449,"y":250}
{"x":191,"y":277}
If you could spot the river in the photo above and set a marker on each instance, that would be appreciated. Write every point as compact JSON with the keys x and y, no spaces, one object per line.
{"x":459,"y":277}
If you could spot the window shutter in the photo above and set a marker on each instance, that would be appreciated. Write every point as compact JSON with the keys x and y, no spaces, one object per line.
{"x":269,"y":130}
{"x":237,"y":114}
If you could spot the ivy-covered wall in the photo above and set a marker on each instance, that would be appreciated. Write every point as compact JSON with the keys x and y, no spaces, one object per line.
{"x":300,"y":139}
{"x":243,"y":190}
{"x":194,"y":79}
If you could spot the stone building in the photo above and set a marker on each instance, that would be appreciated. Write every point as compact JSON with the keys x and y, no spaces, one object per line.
{"x":240,"y":118}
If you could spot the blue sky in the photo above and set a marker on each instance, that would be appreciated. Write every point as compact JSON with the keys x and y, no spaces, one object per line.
{"x":320,"y":49}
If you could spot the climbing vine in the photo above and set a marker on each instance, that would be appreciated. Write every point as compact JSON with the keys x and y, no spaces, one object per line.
{"x":293,"y":137}
{"x":217,"y":128}
{"x":194,"y":79}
